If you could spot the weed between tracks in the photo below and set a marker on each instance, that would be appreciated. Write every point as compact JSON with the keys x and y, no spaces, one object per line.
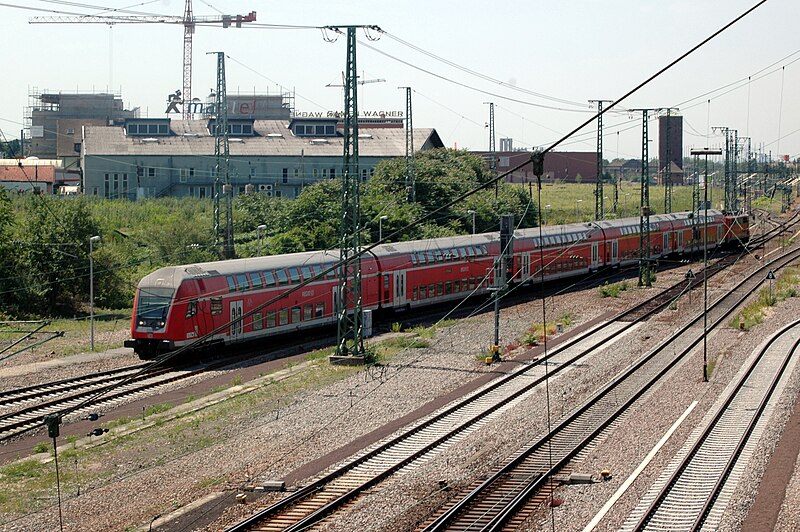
{"x":783,"y":288}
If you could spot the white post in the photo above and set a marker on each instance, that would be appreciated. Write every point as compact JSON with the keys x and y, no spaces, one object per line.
{"x":258,"y":232}
{"x":380,"y":227}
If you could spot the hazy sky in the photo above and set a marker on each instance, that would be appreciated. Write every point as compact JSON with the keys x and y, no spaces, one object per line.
{"x":568,"y":50}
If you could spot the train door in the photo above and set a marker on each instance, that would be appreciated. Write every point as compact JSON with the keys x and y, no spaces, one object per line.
{"x":614,"y":251}
{"x":399,"y":289}
{"x":235,"y":317}
{"x":665,"y":248}
{"x":720,"y":233}
{"x":526,"y":267}
{"x":679,"y":245}
{"x":335,"y":300}
{"x":595,"y":255}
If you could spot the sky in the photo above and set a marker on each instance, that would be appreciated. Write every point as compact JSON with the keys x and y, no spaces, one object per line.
{"x":538,"y":62}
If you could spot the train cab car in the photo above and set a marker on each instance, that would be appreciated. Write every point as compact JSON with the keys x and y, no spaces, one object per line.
{"x":231,"y":300}
{"x":737,"y":230}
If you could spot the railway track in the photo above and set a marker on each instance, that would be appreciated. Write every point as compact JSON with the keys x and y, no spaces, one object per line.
{"x":23,"y":409}
{"x":694,"y":491}
{"x":335,"y":490}
{"x":507,"y":497}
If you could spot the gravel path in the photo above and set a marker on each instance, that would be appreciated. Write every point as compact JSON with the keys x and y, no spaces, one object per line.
{"x":272,"y":435}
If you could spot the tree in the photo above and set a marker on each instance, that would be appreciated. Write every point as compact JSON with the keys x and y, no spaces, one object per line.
{"x":53,"y":254}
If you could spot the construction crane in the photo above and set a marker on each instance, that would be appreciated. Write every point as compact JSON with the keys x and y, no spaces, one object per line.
{"x":189,"y":21}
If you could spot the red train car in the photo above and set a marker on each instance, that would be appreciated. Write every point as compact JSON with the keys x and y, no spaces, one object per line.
{"x":176,"y":305}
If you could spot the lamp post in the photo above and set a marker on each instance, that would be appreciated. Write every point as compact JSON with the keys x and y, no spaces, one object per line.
{"x":380,"y":227}
{"x":92,"y":240}
{"x":577,"y":211}
{"x":706,"y":152}
{"x":546,"y":207}
{"x":258,"y":232}
{"x":473,"y":220}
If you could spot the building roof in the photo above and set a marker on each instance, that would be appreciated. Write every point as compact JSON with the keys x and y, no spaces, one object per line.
{"x":35,"y":174}
{"x":272,"y":138}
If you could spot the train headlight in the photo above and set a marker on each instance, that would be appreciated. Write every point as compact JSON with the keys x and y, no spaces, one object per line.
{"x":160,"y":323}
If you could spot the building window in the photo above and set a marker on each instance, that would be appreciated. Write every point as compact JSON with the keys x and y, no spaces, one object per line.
{"x":285,"y":178}
{"x":76,"y":147}
{"x":363,"y":174}
{"x":285,"y":175}
{"x":296,"y":172}
{"x":70,"y":131}
{"x":315,"y":173}
{"x":191,"y":172}
{"x":151,"y":172}
{"x":333,"y":173}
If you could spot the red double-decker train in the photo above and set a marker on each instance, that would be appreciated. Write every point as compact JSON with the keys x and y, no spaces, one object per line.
{"x":176,"y":305}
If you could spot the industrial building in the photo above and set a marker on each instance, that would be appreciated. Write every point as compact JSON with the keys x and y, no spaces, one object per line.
{"x":561,"y":166}
{"x":156,"y":157}
{"x":670,"y":149}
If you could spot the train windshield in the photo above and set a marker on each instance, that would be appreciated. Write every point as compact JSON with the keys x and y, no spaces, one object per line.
{"x":152,"y":307}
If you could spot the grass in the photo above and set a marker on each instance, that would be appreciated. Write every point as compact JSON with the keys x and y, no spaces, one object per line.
{"x":429,"y":332}
{"x":562,"y":198}
{"x":612,"y":290}
{"x":77,"y":336}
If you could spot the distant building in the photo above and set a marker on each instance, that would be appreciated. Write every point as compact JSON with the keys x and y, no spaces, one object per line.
{"x":154,"y":157}
{"x":38,"y":178}
{"x":565,"y":166}
{"x":670,"y":139}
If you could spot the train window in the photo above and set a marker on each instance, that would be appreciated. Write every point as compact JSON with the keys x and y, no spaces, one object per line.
{"x":438,"y":255}
{"x":333,"y":273}
{"x":283,"y":316}
{"x":316,"y":269}
{"x":439,"y":289}
{"x":386,"y":281}
{"x":243,"y":282}
{"x":308,"y":311}
{"x":271,"y":318}
{"x":431,"y":290}
{"x":447,"y":255}
{"x":484,"y":250}
{"x":429,"y":257}
{"x":216,"y":306}
{"x":294,"y":275}
{"x":256,"y":281}
{"x":258,"y":321}
{"x":414,"y":293}
{"x":448,"y":287}
{"x":465,"y":284}
{"x":319,"y":310}
{"x":423,"y":292}
{"x":191,"y":309}
{"x":472,"y":283}
{"x":462,"y":253}
{"x":306,"y":273}
{"x":295,"y":314}
{"x":470,"y":251}
{"x":269,"y":278}
{"x":281,"y":276}
{"x":231,"y":283}
{"x":414,"y":259}
{"x":421,"y":258}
